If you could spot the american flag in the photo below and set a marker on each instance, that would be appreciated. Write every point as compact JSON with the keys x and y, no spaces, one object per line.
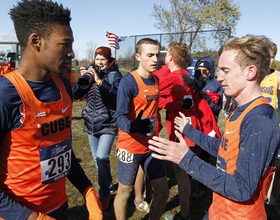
{"x":114,"y":40}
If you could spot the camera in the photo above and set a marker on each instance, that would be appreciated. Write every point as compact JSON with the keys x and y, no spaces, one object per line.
{"x":85,"y":80}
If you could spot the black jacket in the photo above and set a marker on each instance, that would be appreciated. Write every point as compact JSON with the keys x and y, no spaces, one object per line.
{"x":99,"y":112}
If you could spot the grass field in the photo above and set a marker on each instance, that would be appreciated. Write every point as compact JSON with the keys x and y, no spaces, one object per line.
{"x":77,"y":209}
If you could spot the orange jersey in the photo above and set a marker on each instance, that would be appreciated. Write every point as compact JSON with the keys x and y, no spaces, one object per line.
{"x":222,"y":207}
{"x":146,"y":100}
{"x":36,"y":158}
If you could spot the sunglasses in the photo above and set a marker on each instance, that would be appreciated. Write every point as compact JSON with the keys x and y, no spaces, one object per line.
{"x":203,"y":71}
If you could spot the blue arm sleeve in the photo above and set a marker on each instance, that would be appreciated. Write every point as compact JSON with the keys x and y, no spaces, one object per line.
{"x":216,"y":107}
{"x":128,"y":89}
{"x":77,"y":92}
{"x":207,"y":143}
{"x":255,"y":155}
{"x":77,"y":175}
{"x":110,"y":90}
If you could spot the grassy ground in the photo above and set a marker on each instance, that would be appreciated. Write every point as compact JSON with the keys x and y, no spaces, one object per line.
{"x":77,"y":209}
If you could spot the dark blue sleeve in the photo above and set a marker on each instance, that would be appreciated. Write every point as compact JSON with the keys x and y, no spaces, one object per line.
{"x":259,"y":139}
{"x":128,"y":89}
{"x":207,"y":143}
{"x":78,"y":92}
{"x":215,"y":87}
{"x":110,"y":90}
{"x":77,"y":175}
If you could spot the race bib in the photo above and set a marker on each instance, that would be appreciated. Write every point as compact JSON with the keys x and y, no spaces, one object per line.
{"x":55,"y":161}
{"x":190,"y":120}
{"x":125,"y":156}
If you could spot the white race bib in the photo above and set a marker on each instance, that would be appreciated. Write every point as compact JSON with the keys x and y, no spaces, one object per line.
{"x":55,"y":161}
{"x":125,"y":156}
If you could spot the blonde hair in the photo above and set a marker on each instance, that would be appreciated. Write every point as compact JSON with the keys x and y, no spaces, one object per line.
{"x":180,"y":53}
{"x":253,"y":50}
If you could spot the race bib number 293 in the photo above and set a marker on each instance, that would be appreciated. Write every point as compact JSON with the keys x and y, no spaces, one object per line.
{"x":125,"y":156}
{"x":55,"y":161}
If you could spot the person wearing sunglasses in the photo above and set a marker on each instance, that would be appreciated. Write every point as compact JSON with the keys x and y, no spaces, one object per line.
{"x":209,"y":88}
{"x":212,"y":91}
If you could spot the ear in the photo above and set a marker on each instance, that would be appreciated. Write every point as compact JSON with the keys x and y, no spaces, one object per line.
{"x":252,"y":72}
{"x":137,"y":56}
{"x":169,"y":57}
{"x":35,"y":41}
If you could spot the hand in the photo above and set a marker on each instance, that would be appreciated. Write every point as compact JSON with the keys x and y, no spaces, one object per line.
{"x":83,"y":70}
{"x":188,"y":80}
{"x":180,"y":122}
{"x":169,"y":150}
{"x":203,"y":95}
{"x":93,"y":204}
{"x":94,"y":74}
{"x":141,"y":126}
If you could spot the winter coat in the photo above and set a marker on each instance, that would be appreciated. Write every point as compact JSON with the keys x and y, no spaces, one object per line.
{"x":99,"y":112}
{"x":211,"y":87}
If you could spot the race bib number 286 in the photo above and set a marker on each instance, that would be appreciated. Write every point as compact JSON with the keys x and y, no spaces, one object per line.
{"x":125,"y":156}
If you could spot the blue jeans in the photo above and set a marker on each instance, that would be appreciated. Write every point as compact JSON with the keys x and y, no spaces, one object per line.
{"x":100,"y":148}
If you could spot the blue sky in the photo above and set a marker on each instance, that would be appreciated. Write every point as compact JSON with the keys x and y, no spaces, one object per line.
{"x":91,"y":19}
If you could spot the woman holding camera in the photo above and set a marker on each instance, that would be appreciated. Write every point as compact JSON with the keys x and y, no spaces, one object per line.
{"x":99,"y":82}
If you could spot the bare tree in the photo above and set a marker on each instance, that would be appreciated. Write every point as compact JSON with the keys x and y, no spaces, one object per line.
{"x":129,"y":53}
{"x":91,"y":46}
{"x":196,"y":15}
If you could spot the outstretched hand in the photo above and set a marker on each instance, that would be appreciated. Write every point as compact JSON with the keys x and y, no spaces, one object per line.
{"x":169,"y":150}
{"x":180,"y":122}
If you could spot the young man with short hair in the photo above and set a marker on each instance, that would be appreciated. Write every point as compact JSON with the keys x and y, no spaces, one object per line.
{"x":137,"y":107}
{"x":35,"y":120}
{"x":247,"y":150}
{"x":176,"y":96}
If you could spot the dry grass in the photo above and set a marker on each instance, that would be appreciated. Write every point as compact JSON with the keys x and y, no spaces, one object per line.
{"x":77,"y":209}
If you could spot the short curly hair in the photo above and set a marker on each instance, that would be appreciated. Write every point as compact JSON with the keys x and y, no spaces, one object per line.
{"x":180,"y":52}
{"x":37,"y":16}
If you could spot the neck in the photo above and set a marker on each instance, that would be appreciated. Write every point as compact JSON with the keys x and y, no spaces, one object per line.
{"x":246,"y":97}
{"x":32,"y":72}
{"x":144,"y":73}
{"x":173,"y":67}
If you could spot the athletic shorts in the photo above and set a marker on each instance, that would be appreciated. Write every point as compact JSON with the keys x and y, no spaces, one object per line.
{"x":129,"y":165}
